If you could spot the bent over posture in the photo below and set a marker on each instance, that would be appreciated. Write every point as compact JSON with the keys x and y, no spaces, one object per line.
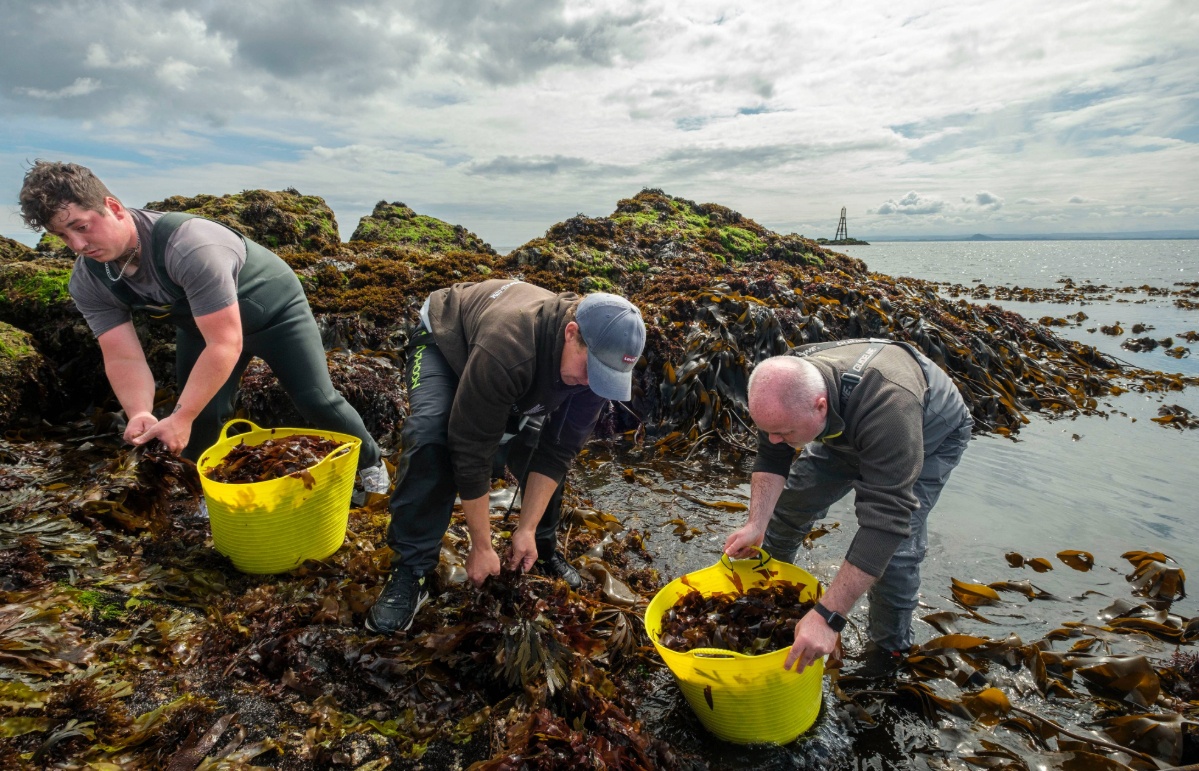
{"x":229,"y":299}
{"x":871,"y":416}
{"x":498,"y":370}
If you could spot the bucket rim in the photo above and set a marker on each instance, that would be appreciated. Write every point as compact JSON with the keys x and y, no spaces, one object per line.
{"x":348,"y":443}
{"x":710,"y":654}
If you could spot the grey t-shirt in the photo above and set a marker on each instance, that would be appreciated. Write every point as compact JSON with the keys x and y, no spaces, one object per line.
{"x":201,"y":256}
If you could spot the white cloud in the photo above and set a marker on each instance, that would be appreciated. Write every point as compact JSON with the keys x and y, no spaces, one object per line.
{"x":983,"y":200}
{"x":508,"y":115}
{"x":81,"y":87}
{"x":912,"y":203}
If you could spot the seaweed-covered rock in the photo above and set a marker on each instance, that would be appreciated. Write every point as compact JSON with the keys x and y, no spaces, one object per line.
{"x":654,"y":233}
{"x":33,"y":292}
{"x":50,"y":245}
{"x":373,"y":386}
{"x":395,"y":223}
{"x":386,"y":285}
{"x":34,"y":297}
{"x":13,"y":251}
{"x":282,"y":221}
{"x":20,"y":365}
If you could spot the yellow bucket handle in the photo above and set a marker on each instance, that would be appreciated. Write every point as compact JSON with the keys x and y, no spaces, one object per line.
{"x":341,"y":449}
{"x":715,"y":653}
{"x":237,"y":422}
{"x":763,"y":558}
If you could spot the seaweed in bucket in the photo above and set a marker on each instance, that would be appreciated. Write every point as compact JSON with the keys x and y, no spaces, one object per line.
{"x":759,"y":620}
{"x":272,"y":459}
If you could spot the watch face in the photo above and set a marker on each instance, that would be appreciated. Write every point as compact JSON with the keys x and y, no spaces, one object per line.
{"x":835,"y":620}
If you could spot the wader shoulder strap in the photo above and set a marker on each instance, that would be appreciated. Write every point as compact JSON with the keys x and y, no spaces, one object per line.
{"x":164,"y":228}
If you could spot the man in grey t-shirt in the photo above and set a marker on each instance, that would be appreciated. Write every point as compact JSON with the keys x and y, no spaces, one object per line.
{"x":229,"y":298}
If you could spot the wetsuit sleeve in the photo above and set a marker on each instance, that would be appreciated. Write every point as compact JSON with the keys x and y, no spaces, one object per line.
{"x":486,"y":392}
{"x":773,"y":458}
{"x":100,"y":307}
{"x":888,"y":432}
{"x":565,"y":433}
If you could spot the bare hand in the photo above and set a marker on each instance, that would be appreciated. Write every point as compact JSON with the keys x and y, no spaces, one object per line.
{"x":744,"y":542}
{"x":813,"y":639}
{"x":173,"y":431}
{"x":481,"y":563}
{"x":524,"y":550}
{"x":138,"y":424}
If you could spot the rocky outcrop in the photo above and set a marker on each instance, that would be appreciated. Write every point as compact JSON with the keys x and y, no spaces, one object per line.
{"x":397,"y":224}
{"x":21,"y":387}
{"x":14,"y":251}
{"x":282,"y":221}
{"x":654,"y":233}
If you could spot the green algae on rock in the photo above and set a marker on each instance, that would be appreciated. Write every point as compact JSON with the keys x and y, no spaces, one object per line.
{"x":20,"y":366}
{"x":284,"y":220}
{"x":396,"y":223}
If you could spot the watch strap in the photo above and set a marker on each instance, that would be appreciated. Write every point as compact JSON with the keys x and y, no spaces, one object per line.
{"x":835,"y":620}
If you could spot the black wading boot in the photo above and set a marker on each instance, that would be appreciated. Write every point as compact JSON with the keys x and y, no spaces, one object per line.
{"x":557,"y":567}
{"x":877,"y":663}
{"x":402,"y":596}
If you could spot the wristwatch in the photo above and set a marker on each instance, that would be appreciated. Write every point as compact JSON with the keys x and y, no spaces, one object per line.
{"x":835,"y":620}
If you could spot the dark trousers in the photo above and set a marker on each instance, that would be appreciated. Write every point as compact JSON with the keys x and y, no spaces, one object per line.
{"x":291,"y":345}
{"x":422,"y":501}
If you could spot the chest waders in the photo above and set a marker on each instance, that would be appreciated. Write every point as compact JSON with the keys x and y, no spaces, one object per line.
{"x":277,"y":326}
{"x":258,"y":281}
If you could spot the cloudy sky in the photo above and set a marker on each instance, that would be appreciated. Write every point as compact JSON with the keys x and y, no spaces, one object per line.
{"x":1022,"y":116}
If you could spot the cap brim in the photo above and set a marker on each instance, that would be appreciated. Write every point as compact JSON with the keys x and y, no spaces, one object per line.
{"x":608,"y":383}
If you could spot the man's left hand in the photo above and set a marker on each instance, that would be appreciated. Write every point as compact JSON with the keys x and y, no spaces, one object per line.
{"x":524,"y":549}
{"x":173,"y":431}
{"x":813,"y":639}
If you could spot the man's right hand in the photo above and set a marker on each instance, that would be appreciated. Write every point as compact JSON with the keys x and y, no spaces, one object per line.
{"x":138,"y":424}
{"x":481,"y":563}
{"x":744,"y":542}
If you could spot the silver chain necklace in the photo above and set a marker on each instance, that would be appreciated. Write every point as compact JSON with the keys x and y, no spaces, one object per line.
{"x":132,"y":253}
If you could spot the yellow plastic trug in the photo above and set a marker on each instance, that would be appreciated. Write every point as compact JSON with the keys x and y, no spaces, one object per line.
{"x":739,"y":698}
{"x":273,"y":526}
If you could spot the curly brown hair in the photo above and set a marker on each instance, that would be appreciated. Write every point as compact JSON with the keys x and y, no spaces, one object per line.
{"x":51,"y":186}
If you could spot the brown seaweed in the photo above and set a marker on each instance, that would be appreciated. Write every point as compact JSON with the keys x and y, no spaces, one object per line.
{"x":758,"y":620}
{"x":271,"y":459}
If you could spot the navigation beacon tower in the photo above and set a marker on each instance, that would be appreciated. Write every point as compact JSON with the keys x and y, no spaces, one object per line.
{"x":842,"y":231}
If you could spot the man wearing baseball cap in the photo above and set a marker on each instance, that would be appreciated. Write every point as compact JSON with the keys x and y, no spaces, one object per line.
{"x":499,"y":372}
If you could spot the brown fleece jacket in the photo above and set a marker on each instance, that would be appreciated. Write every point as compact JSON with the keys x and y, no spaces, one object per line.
{"x":504,"y":338}
{"x":881,"y":433}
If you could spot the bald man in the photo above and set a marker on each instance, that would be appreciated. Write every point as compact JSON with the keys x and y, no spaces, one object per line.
{"x":871,"y":416}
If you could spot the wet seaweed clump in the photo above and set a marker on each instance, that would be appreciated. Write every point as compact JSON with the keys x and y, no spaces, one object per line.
{"x":1175,"y":416}
{"x":273,"y":459}
{"x":759,"y":620}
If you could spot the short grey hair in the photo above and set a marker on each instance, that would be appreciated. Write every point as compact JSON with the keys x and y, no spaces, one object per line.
{"x":789,"y":380}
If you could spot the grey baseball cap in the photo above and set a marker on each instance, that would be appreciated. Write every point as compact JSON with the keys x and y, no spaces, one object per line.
{"x":614,"y":332}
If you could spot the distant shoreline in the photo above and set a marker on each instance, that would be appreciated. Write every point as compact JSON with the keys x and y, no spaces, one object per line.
{"x":1185,"y":235}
